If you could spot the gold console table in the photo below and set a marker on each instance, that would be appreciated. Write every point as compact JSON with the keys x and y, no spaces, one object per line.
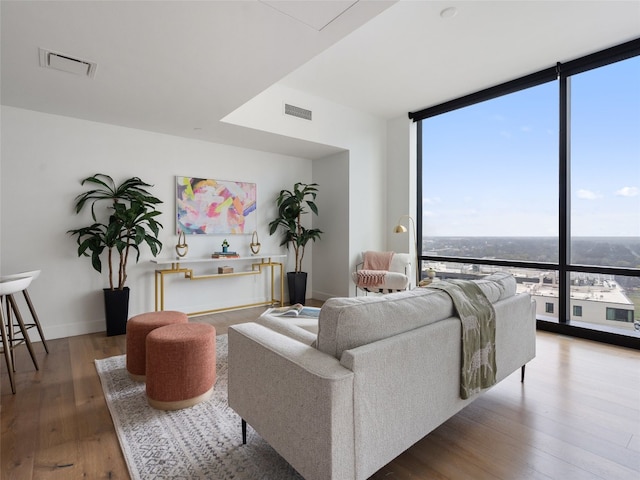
{"x":258,"y":264}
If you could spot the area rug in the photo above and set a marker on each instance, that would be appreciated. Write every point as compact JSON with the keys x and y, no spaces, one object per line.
{"x":203,"y":442}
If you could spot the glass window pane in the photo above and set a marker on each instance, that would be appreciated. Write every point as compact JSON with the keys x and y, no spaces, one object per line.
{"x":490,"y":175}
{"x":605,"y":165}
{"x":542,"y":285}
{"x":607,"y":302}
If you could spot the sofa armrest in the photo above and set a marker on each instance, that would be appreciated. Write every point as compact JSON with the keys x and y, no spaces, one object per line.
{"x":297,"y":398}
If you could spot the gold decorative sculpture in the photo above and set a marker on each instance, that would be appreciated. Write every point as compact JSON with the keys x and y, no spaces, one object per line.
{"x":255,"y":244}
{"x":181,"y":248}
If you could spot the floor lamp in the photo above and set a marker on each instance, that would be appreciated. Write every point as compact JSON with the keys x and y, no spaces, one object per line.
{"x":399,"y":228}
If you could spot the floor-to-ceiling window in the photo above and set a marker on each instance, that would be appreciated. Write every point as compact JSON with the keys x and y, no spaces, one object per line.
{"x":541,"y":176}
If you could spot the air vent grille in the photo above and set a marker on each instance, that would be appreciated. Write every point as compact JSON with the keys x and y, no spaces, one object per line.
{"x":297,"y":112}
{"x":65,"y":63}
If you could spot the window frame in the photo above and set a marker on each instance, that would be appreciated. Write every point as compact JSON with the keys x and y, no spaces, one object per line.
{"x":561,"y":73}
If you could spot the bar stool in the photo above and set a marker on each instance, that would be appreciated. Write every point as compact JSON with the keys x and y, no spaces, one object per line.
{"x":9,"y":342}
{"x":36,"y":321}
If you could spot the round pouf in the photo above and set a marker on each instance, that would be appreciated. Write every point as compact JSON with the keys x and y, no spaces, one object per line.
{"x":181,"y":365}
{"x":138,"y":328}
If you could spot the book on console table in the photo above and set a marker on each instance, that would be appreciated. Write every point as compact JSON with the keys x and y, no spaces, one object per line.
{"x":297,"y":310}
{"x":225,"y":255}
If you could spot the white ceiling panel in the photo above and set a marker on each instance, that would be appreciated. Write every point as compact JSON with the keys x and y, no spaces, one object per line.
{"x":179,"y":67}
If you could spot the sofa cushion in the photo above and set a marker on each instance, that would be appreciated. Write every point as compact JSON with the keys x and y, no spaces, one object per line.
{"x":347,"y":323}
{"x":497,"y":286}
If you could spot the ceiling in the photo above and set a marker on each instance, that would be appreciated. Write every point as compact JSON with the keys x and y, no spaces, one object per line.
{"x":178,"y":67}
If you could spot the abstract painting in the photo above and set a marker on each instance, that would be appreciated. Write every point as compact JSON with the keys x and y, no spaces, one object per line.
{"x":209,"y":207}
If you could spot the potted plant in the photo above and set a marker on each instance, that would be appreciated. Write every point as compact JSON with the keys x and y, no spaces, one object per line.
{"x":127,"y":221}
{"x":292,"y":205}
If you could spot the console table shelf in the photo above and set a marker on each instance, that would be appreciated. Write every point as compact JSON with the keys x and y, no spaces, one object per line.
{"x":258,"y":265}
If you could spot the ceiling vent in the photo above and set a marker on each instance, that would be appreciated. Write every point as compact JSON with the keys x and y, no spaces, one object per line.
{"x":65,"y":63}
{"x":297,"y":112}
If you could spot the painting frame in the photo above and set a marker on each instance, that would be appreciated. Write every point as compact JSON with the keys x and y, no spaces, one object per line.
{"x":207,"y":206}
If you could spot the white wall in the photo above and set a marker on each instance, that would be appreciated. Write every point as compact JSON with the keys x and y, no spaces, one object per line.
{"x":364,"y":137}
{"x":401,"y":184}
{"x":43,"y":159}
{"x":331,"y":264}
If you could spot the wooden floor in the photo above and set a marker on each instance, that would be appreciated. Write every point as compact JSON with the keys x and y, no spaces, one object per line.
{"x":577,"y":416}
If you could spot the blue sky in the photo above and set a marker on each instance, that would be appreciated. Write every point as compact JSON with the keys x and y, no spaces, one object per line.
{"x":491,"y":169}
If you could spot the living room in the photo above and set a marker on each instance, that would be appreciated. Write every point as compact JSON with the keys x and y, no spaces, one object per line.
{"x":358,"y":159}
{"x":58,"y":128}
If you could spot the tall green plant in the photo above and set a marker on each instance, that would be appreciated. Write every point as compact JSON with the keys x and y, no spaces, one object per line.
{"x":129,"y":222}
{"x":292,"y":205}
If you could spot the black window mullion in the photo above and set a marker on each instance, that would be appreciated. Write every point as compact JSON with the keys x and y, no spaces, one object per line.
{"x":561,"y":73}
{"x":564,"y":202}
{"x":600,"y":59}
{"x":418,"y":223}
{"x":533,"y":80}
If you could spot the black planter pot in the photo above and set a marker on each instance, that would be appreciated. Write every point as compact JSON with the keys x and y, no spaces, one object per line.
{"x":116,"y":310}
{"x":297,"y":287}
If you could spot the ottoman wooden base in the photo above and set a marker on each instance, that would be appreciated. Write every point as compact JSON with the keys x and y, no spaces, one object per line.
{"x":138,"y":328}
{"x":181,"y":365}
{"x":189,"y":402}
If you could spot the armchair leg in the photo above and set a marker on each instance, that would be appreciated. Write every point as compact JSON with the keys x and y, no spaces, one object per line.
{"x":244,"y":432}
{"x":522,"y":374}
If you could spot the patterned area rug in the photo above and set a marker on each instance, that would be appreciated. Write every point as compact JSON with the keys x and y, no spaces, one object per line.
{"x":203,"y":442}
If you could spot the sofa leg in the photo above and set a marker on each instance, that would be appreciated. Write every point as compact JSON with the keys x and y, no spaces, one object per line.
{"x":522,"y":374}
{"x":244,"y":432}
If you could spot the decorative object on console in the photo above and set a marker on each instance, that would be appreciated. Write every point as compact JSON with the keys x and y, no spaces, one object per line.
{"x":225,"y":246}
{"x":226,"y":254}
{"x":181,"y":247}
{"x":225,"y":269}
{"x":128,"y":221}
{"x":205,"y":206}
{"x":399,"y":228}
{"x":255,"y":243}
{"x":291,"y":206}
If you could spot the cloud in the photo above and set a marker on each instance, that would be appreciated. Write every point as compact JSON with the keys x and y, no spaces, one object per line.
{"x":588,"y":194}
{"x":526,"y":129}
{"x":628,"y":192}
{"x":432,"y":200}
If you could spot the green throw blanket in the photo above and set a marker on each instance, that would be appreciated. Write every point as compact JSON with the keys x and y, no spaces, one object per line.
{"x":478,"y":334}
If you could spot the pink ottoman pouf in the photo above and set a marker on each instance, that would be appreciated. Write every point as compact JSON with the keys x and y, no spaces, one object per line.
{"x":181,"y":365}
{"x":138,"y":328}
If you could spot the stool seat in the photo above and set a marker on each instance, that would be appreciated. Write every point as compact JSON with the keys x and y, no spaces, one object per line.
{"x":34,"y":274}
{"x":181,"y":365}
{"x":9,"y":286}
{"x":138,"y":328}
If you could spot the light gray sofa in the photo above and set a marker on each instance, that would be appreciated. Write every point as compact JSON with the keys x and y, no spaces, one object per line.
{"x":381,"y":373}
